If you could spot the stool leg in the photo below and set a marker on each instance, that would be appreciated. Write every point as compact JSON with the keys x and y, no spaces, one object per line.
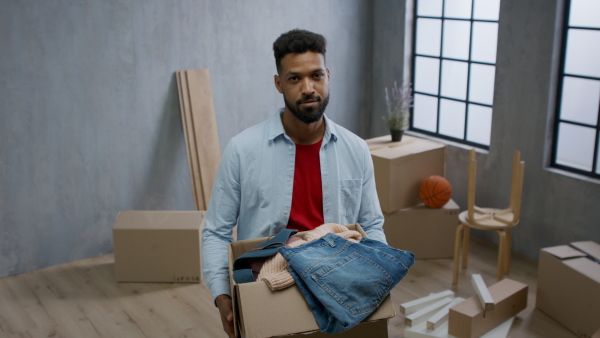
{"x":501,"y":254}
{"x":508,"y":250}
{"x":457,"y":243}
{"x":465,"y":246}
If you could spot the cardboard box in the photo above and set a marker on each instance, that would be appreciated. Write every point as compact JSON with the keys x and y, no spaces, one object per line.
{"x":158,"y":246}
{"x":400,"y":167}
{"x":375,"y":329}
{"x":468,"y":319}
{"x":426,"y":232}
{"x":568,"y":287}
{"x":383,"y":141}
{"x":260,"y":312}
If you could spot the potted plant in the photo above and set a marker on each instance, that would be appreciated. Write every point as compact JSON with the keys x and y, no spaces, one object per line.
{"x":398,"y":109}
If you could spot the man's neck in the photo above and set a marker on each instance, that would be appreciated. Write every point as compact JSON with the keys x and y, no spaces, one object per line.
{"x":300,"y":132}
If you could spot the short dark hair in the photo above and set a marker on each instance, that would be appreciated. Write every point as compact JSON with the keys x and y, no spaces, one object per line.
{"x":298,"y":41}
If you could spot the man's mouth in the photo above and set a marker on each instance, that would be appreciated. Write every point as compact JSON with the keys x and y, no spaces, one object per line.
{"x":309,"y":101}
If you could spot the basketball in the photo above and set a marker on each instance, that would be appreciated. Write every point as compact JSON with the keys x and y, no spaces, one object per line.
{"x":435,"y":191}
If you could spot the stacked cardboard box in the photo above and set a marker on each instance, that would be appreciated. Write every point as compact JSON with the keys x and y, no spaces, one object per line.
{"x":568,"y":287}
{"x":158,"y":246}
{"x":400,"y":167}
{"x":260,"y":312}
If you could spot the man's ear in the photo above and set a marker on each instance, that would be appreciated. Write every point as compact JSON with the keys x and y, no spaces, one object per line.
{"x":328,"y":75}
{"x":277,"y":80}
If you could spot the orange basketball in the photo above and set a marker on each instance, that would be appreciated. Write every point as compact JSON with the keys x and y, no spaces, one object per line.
{"x":435,"y":191}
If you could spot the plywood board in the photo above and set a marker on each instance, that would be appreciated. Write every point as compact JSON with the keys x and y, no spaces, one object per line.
{"x":483,"y":294}
{"x":188,"y":132}
{"x":200,"y":130}
{"x":204,"y":122}
{"x":418,"y":304}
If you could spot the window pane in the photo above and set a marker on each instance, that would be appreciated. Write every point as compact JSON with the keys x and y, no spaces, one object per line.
{"x":452,"y":118}
{"x":575,"y":146}
{"x":429,"y":34}
{"x":479,"y":124}
{"x":583,"y":52}
{"x":580,"y":100}
{"x":427,"y":75}
{"x":456,"y":39}
{"x":481,"y":83}
{"x":457,"y":9}
{"x":485,"y":40}
{"x":429,"y":8}
{"x":584,"y":13}
{"x":425,"y":112}
{"x":486,"y":9}
{"x":454,"y":79}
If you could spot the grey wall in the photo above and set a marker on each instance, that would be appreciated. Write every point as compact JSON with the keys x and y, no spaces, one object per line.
{"x":389,"y":26}
{"x":90,"y":122}
{"x":89,"y":112}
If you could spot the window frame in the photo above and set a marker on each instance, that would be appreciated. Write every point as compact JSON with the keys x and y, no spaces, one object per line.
{"x":441,"y":58}
{"x":595,"y":171}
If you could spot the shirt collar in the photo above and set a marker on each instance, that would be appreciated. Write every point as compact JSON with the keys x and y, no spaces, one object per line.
{"x":276,"y":128}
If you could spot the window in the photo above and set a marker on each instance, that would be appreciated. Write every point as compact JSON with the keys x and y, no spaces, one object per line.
{"x":454,"y":67}
{"x":576,"y":129}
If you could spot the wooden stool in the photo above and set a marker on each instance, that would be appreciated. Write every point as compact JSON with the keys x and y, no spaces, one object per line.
{"x":500,"y":220}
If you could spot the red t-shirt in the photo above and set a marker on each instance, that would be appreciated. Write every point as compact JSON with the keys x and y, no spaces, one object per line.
{"x":307,"y":196}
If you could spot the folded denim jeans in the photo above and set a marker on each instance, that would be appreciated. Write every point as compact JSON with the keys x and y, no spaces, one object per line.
{"x":343,"y":282}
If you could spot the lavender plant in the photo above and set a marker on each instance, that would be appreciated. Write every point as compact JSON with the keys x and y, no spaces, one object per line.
{"x":398,"y":106}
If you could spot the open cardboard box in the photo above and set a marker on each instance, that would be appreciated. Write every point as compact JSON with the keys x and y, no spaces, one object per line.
{"x":568,"y":287}
{"x":260,"y":312}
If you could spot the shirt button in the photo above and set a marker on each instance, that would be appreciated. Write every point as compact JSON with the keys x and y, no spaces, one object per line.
{"x":291,"y":148}
{"x":289,"y":179}
{"x":285,"y":212}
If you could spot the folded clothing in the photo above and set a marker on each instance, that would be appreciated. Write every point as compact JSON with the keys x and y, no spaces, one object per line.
{"x":274,"y":270}
{"x":343,"y":281}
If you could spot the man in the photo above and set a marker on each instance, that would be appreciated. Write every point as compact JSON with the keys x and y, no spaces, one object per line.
{"x":297,"y":170}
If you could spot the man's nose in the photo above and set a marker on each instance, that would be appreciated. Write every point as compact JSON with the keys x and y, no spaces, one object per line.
{"x":308,"y":87}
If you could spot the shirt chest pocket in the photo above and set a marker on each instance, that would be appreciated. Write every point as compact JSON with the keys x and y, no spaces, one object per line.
{"x":350,"y":195}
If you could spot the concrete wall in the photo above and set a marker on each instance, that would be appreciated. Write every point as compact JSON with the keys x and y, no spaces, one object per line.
{"x":389,"y":51}
{"x":89,"y":112}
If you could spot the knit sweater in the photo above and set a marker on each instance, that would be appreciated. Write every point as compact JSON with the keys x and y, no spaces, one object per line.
{"x":274,"y":271}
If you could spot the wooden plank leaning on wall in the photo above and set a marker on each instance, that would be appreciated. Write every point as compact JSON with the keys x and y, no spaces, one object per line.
{"x":200,"y":130}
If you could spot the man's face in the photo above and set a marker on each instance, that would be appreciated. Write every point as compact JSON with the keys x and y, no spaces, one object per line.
{"x":304,"y":83}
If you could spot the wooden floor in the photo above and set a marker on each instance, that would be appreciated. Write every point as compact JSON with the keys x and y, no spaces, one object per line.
{"x":82,"y":299}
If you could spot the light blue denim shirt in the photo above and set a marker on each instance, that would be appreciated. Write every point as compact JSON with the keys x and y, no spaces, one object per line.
{"x":253,"y":188}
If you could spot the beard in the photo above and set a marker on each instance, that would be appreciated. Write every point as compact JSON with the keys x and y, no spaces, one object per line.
{"x":308,"y":115}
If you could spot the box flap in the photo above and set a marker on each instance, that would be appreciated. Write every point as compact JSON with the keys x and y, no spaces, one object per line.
{"x":589,"y":247}
{"x":384,"y":141}
{"x":564,"y":251}
{"x":162,"y":219}
{"x":585,"y":267}
{"x":403,"y":149}
{"x":450,"y":205}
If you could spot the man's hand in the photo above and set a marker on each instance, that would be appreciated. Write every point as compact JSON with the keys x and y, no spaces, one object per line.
{"x":226,"y":309}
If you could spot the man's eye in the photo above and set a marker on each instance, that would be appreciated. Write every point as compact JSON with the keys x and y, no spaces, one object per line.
{"x":319,"y":75}
{"x":293,"y":78}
